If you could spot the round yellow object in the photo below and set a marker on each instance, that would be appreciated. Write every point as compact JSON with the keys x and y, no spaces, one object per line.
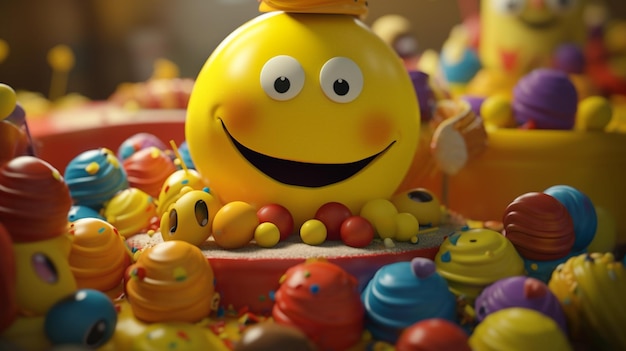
{"x":234,"y":225}
{"x":267,"y":234}
{"x":518,"y":328}
{"x":4,"y":50}
{"x":302,"y":110}
{"x":8,"y":100}
{"x":313,"y":232}
{"x":594,"y":113}
{"x":61,"y":58}
{"x":496,"y":111}
{"x":407,"y":226}
{"x":382,"y":215}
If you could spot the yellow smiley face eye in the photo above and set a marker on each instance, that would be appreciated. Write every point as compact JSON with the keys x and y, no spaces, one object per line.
{"x":282,"y":77}
{"x":561,"y":6}
{"x":510,"y":7}
{"x":341,"y":79}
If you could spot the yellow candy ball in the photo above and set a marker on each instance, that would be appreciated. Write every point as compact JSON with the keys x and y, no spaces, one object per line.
{"x":496,"y":111}
{"x":234,"y":225}
{"x":594,"y":113}
{"x":381,"y":213}
{"x":4,"y":50}
{"x":313,"y":232}
{"x":267,"y":234}
{"x":61,"y":58}
{"x":407,"y":226}
{"x":8,"y":100}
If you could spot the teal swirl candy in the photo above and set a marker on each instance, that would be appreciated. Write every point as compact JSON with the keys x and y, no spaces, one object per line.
{"x":94,"y":177}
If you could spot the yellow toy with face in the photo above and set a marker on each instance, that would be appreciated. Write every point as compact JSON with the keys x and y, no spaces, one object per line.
{"x":519,"y":35}
{"x":302,"y":109}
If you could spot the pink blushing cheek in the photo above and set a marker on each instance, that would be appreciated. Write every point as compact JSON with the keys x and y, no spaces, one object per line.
{"x":240,"y":117}
{"x":377,"y":130}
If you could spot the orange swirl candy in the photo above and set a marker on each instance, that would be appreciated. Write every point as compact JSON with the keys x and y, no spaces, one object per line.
{"x":323,"y":301}
{"x":99,"y":257}
{"x":34,"y":200}
{"x":539,"y":226}
{"x":591,"y":289}
{"x":147,"y":169}
{"x":131,"y":211}
{"x":346,"y":7}
{"x":171,"y":281}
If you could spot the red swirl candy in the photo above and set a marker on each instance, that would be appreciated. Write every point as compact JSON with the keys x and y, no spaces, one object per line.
{"x":539,"y":226}
{"x":34,"y":200}
{"x":323,"y":301}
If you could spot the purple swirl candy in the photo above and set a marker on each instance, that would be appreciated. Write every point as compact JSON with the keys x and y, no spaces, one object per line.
{"x":520,"y":291}
{"x":547,"y":98}
{"x":424,"y":92}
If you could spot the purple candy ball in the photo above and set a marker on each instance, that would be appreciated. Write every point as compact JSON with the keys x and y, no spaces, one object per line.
{"x":520,"y":291}
{"x":547,"y":98}
{"x":424,"y":92}
{"x":569,"y":58}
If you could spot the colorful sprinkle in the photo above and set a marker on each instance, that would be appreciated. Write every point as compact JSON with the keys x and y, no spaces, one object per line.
{"x":314,"y":288}
{"x":92,"y":168}
{"x":446,"y":257}
{"x":180,"y":274}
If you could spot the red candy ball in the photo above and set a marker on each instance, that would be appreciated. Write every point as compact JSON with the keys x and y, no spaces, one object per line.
{"x":333,"y":214}
{"x":433,"y":335}
{"x":280,"y":216}
{"x":357,"y":231}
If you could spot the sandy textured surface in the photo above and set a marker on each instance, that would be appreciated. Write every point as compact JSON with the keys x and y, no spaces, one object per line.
{"x":293,"y":247}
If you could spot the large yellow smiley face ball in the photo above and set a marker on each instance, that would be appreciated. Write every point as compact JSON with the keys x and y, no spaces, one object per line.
{"x":300,"y":110}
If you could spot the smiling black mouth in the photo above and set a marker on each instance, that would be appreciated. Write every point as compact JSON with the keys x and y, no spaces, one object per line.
{"x":304,"y":174}
{"x":539,"y":25}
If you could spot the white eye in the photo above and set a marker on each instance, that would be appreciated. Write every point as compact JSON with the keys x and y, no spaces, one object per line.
{"x":282,"y":77}
{"x":510,"y":7}
{"x":341,"y":79}
{"x":561,"y":6}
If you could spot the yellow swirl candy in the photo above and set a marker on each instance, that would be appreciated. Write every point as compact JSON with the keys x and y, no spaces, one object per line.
{"x":591,"y":289}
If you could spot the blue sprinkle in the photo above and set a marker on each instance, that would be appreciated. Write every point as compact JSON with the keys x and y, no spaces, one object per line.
{"x":272,"y":295}
{"x":454,"y":238}
{"x":446,"y":257}
{"x":185,"y":181}
{"x":101,"y":230}
{"x":314,"y":288}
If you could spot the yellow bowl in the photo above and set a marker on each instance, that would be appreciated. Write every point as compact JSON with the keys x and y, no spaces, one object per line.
{"x":520,"y":161}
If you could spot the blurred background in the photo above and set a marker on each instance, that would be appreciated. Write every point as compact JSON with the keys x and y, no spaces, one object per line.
{"x":117,"y":41}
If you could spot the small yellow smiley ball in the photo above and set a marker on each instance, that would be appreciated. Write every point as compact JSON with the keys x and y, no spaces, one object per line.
{"x":267,"y":234}
{"x":302,"y":110}
{"x":313,"y":232}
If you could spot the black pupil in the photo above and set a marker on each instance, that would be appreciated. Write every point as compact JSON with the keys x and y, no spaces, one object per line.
{"x":420,"y":196}
{"x":95,"y":335}
{"x":202,"y":213}
{"x":173,"y":221}
{"x":513,"y":5}
{"x":282,"y":85}
{"x":341,"y":87}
